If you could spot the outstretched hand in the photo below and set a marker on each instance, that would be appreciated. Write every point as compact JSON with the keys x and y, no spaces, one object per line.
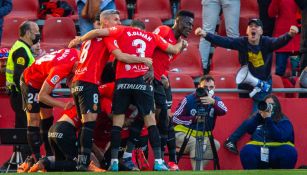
{"x":293,"y":31}
{"x":75,"y":42}
{"x":200,"y":32}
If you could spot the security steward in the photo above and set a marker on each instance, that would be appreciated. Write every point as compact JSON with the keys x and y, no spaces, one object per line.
{"x":20,"y":57}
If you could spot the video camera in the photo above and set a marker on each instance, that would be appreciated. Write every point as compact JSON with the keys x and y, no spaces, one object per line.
{"x":202,"y":92}
{"x":263,"y":106}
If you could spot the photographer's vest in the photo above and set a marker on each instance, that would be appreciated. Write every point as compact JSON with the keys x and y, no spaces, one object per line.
{"x":9,"y":72}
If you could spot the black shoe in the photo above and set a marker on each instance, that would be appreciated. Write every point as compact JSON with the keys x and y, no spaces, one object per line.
{"x":81,"y":167}
{"x":231,"y":146}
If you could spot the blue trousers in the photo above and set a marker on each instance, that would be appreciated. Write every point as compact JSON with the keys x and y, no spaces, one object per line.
{"x":280,"y":157}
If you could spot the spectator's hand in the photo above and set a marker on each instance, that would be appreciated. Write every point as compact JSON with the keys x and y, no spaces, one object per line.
{"x":165,"y":81}
{"x":147,"y":61}
{"x":293,"y":31}
{"x":200,"y":32}
{"x":69,"y":105}
{"x":149,"y":76}
{"x":75,"y":42}
{"x":207,"y":100}
{"x":265,"y":114}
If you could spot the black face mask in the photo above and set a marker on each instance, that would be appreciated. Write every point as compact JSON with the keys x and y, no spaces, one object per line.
{"x":36,"y":39}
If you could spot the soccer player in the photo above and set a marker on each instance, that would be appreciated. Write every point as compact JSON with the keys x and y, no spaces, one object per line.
{"x":93,"y":58}
{"x":161,"y":61}
{"x":37,"y":83}
{"x":131,"y":87}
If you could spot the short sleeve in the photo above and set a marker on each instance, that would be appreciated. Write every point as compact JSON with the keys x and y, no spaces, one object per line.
{"x":161,"y":43}
{"x":56,"y":74}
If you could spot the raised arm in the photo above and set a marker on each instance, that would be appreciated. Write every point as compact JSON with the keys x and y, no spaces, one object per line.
{"x":225,"y":42}
{"x":88,"y":36}
{"x":283,"y":40}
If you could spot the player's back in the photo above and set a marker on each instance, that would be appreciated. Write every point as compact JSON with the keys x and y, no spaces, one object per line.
{"x":136,"y":42}
{"x":62,"y":60}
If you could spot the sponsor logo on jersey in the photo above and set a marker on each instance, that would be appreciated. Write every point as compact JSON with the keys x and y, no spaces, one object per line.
{"x":21,"y":61}
{"x":131,"y":86}
{"x":54,"y":80}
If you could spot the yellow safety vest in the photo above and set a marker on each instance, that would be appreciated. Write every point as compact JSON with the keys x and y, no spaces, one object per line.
{"x":9,"y":71}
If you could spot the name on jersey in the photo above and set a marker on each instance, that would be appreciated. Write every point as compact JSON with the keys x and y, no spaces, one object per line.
{"x":138,"y":33}
{"x":131,"y":86}
{"x":66,"y":52}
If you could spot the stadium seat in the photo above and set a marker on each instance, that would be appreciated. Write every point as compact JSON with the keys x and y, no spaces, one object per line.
{"x":25,"y":9}
{"x":242,"y":26}
{"x":225,"y":61}
{"x":192,"y":5}
{"x":159,"y":8}
{"x":121,"y":6}
{"x":151,"y":23}
{"x":188,"y":62}
{"x":227,"y":80}
{"x":57,"y":32}
{"x":249,"y":9}
{"x":73,"y":4}
{"x":179,"y":80}
{"x":10,"y":31}
{"x":277,"y":83}
{"x":192,"y":38}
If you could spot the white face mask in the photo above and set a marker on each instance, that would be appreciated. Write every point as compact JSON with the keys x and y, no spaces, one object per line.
{"x":211,"y":93}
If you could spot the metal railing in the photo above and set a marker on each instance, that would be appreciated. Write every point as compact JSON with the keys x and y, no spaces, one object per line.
{"x":66,"y":91}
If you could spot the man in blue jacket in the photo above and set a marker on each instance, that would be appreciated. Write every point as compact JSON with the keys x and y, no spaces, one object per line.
{"x":187,"y":117}
{"x":255,"y":51}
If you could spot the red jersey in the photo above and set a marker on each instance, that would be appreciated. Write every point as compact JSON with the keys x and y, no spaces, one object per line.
{"x":135,"y":42}
{"x":106,"y":90}
{"x":161,"y":59}
{"x":72,"y":114}
{"x":94,"y":56}
{"x":51,"y":67}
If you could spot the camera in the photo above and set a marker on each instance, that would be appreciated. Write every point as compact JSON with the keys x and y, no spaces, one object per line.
{"x":202,"y":92}
{"x":263,"y":106}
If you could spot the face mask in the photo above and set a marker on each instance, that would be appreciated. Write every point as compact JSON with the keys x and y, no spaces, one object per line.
{"x":36,"y":39}
{"x":211,"y":93}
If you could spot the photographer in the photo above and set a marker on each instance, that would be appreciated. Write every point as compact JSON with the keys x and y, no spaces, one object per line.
{"x":272,"y":141}
{"x":186,"y":117}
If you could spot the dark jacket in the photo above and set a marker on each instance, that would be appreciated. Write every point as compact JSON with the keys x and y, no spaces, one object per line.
{"x":5,"y":8}
{"x":266,"y":130}
{"x":303,"y":6}
{"x":257,"y":57}
{"x":187,"y":110}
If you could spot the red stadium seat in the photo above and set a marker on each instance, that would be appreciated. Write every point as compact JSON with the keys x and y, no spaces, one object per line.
{"x":192,"y":38}
{"x":188,"y":62}
{"x":225,"y":81}
{"x":57,"y":32}
{"x":193,"y":6}
{"x":151,"y":23}
{"x":242,"y":26}
{"x":249,"y":9}
{"x":121,"y":6}
{"x":73,"y":4}
{"x":179,"y":80}
{"x":277,"y":83}
{"x":225,"y":61}
{"x":25,"y":9}
{"x":10,"y":31}
{"x":159,"y":8}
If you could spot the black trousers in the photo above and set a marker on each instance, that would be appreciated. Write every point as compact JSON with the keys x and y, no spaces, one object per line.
{"x":20,"y":118}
